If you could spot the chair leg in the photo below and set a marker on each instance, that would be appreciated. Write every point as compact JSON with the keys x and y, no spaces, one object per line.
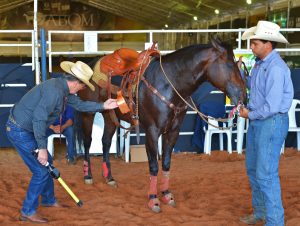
{"x":127,"y":147}
{"x":209,"y":142}
{"x":122,"y":132}
{"x":206,"y":143}
{"x":221,"y":141}
{"x":229,"y":144}
{"x":240,"y":135}
{"x":50,"y":145}
{"x":160,"y":145}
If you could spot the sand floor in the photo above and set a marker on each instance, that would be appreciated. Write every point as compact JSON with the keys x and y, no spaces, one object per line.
{"x":209,"y":191}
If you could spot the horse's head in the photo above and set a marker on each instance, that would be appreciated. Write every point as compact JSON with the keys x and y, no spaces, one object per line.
{"x":224,"y":74}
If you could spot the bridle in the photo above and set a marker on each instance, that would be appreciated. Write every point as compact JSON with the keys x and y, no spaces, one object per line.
{"x":234,"y":111}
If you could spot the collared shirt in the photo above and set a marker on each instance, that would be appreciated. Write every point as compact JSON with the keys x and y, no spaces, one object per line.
{"x":39,"y":107}
{"x":271,"y":87}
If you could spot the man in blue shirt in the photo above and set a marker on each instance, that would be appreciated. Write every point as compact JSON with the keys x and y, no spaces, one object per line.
{"x":28,"y":122}
{"x":271,"y":95}
{"x":64,"y":125}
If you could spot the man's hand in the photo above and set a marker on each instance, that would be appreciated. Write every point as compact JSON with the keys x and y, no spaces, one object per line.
{"x":244,"y":112}
{"x":56,"y":129}
{"x":43,"y":156}
{"x":110,"y":104}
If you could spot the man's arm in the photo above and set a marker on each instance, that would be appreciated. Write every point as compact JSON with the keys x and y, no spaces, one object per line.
{"x":68,"y":123}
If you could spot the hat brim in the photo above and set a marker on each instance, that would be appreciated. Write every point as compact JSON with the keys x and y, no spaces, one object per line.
{"x":67,"y":65}
{"x":249,"y":34}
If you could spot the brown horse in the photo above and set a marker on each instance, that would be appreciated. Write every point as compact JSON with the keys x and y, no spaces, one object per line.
{"x":186,"y":69}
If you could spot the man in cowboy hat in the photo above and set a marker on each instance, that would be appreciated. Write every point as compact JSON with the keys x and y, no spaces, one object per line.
{"x":271,"y":95}
{"x":29,"y":120}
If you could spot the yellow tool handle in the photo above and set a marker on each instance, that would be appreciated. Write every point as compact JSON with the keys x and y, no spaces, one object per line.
{"x":79,"y":203}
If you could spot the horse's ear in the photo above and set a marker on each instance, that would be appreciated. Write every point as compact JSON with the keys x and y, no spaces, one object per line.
{"x":217,"y":44}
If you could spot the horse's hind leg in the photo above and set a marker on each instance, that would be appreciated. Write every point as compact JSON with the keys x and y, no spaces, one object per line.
{"x":109,"y":130}
{"x":169,"y":140}
{"x":152,"y":150}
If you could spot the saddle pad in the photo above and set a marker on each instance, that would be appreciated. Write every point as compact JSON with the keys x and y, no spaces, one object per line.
{"x":101,"y":79}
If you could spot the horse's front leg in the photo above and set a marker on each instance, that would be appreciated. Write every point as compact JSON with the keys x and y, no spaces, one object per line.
{"x":109,"y":130}
{"x":152,"y":150}
{"x":87,"y":139}
{"x":169,"y":140}
{"x":87,"y":171}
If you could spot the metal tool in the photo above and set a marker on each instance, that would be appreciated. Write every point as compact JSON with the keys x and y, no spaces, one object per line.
{"x":56,"y":175}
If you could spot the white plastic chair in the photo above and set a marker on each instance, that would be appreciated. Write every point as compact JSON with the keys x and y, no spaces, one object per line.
{"x":241,"y":129}
{"x":293,"y":124}
{"x":211,"y":130}
{"x":50,"y":145}
{"x":125,"y":142}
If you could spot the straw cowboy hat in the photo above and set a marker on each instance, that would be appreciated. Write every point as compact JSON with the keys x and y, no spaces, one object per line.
{"x":80,"y":70}
{"x":265,"y":30}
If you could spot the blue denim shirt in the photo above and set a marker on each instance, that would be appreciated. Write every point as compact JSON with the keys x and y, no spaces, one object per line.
{"x":39,"y":107}
{"x":271,"y":87}
{"x":65,"y":116}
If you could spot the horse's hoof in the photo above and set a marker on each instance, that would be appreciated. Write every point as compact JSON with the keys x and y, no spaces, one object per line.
{"x":154,"y":205}
{"x":88,"y":180}
{"x":169,"y":200}
{"x":156,"y":209}
{"x":172,"y":203}
{"x":112,"y":183}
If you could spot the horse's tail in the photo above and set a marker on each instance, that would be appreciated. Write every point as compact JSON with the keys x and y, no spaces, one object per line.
{"x":78,"y":134}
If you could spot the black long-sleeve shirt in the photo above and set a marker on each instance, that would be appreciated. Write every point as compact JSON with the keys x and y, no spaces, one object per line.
{"x":39,"y":108}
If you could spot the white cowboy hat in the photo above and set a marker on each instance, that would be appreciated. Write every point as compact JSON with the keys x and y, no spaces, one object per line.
{"x":80,"y":70}
{"x":265,"y":30}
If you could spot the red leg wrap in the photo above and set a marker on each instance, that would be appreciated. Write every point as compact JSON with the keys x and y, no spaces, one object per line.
{"x":164,"y":186}
{"x":85,"y":168}
{"x":105,"y":169}
{"x":153,"y":185}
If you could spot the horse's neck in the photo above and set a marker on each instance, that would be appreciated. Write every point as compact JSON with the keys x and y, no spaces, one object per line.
{"x":185,"y":78}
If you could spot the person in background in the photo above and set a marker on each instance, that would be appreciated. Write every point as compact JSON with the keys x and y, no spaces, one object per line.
{"x":208,"y":104}
{"x":28,"y":122}
{"x":64,"y":125}
{"x":271,"y":95}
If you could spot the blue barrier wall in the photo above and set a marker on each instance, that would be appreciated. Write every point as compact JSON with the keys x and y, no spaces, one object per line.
{"x":10,"y":74}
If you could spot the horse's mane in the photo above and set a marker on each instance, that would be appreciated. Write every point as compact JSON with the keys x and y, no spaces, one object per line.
{"x":198,"y":47}
{"x":93,"y":62}
{"x":189,"y":49}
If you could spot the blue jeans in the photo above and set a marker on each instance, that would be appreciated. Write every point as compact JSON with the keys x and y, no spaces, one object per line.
{"x":69,"y":134}
{"x":264,"y":141}
{"x":41,"y":183}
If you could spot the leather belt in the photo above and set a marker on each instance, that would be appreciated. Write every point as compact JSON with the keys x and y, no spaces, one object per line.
{"x":10,"y":118}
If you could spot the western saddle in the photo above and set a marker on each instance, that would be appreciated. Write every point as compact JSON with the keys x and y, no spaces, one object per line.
{"x":131,"y":65}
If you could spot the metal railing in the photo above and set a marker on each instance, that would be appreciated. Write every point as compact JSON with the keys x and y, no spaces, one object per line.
{"x":17,"y":43}
{"x":166,"y":36}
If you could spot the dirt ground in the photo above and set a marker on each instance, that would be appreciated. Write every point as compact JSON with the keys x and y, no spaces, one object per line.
{"x":209,"y":191}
